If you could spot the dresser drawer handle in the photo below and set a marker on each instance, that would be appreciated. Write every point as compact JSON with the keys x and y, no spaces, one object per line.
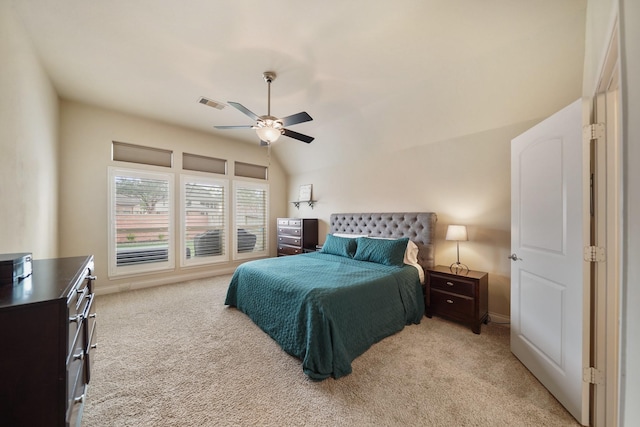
{"x":79,"y":356}
{"x":76,"y":319}
{"x":449,"y":301}
{"x":93,"y":315}
{"x":79,"y":399}
{"x":449,"y":283}
{"x":90,"y":277}
{"x":94,"y":346}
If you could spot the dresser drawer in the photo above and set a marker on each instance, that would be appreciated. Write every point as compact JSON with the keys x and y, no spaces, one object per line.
{"x":90,"y":337}
{"x":290,"y":240}
{"x":454,"y":305}
{"x":288,"y":250}
{"x":453,"y":285}
{"x":75,"y":334}
{"x":76,"y":299}
{"x":75,"y":368}
{"x":76,"y":403}
{"x":293,"y":222}
{"x":289,"y":231}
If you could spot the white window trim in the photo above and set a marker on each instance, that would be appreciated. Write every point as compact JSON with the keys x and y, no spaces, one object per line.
{"x":193,"y":261}
{"x":130,"y":270}
{"x":256,"y":254}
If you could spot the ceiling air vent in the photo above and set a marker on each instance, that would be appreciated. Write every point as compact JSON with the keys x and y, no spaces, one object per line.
{"x":211,"y":103}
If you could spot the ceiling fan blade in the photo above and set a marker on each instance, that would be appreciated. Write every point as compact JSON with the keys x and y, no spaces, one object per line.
{"x":298,"y":136}
{"x":245,"y":110}
{"x":234,"y":127}
{"x":294,"y":119}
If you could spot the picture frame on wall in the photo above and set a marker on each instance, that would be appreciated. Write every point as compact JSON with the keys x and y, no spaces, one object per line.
{"x":304,"y":194}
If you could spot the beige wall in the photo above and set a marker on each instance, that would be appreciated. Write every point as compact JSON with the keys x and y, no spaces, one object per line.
{"x":464,"y":180}
{"x":28,"y":146}
{"x":86,"y":134}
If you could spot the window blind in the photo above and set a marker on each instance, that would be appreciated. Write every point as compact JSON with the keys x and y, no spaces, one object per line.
{"x":142,"y":220}
{"x":195,"y":162}
{"x":248,"y":170}
{"x":124,"y":152}
{"x":205,"y":221}
{"x":251,"y":217}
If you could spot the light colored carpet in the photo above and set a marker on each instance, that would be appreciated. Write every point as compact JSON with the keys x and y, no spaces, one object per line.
{"x":176,"y":356}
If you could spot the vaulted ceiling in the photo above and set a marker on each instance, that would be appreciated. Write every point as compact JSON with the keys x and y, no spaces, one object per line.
{"x":376,"y":76}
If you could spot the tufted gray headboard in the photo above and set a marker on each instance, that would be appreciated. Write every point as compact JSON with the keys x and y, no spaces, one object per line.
{"x":420,"y":227}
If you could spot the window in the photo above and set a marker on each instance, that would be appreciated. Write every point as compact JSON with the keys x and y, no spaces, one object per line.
{"x":205,"y":221}
{"x":140,"y":219}
{"x":250,"y":220}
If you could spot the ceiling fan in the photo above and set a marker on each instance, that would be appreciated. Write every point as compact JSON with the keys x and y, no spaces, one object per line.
{"x":268,"y":127}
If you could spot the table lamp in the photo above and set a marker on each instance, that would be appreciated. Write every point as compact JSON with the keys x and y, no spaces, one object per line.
{"x":457,"y":233}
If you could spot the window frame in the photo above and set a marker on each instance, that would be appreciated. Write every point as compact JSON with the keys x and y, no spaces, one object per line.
{"x":205,"y":180}
{"x":245,"y":184}
{"x":116,"y":271}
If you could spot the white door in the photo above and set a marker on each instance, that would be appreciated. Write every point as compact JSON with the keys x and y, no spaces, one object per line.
{"x":549,"y":305}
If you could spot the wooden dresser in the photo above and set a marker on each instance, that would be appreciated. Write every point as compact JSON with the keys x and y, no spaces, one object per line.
{"x":295,"y":235}
{"x":462,"y":297}
{"x":47,"y":334}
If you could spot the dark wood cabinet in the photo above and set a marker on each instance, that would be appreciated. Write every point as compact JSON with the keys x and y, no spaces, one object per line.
{"x":47,"y":336}
{"x":461,"y":297}
{"x":295,"y":235}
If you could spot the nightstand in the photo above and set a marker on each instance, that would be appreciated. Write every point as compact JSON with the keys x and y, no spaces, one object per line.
{"x":461,"y":297}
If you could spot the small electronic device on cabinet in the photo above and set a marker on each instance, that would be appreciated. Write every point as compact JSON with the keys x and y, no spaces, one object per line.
{"x":14,"y":267}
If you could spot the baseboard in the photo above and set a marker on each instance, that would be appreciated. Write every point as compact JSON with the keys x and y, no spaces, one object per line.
{"x":499,"y":319}
{"x":159,"y":281}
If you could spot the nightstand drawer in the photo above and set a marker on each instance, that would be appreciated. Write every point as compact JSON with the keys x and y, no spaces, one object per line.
{"x":454,"y":305}
{"x":454,"y":285}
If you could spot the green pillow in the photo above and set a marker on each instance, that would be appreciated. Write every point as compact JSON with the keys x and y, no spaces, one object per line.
{"x":382,"y":251}
{"x":342,"y":246}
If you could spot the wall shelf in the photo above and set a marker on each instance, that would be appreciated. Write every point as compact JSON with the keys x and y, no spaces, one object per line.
{"x":309,"y":202}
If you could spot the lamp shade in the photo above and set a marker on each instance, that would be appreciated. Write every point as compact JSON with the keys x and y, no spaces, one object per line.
{"x":457,"y":232}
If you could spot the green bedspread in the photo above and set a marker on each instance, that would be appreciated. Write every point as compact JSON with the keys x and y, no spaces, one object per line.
{"x":326,"y":309}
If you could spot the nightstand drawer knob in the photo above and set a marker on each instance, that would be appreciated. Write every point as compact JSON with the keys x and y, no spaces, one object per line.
{"x":449,"y":283}
{"x":449,"y":301}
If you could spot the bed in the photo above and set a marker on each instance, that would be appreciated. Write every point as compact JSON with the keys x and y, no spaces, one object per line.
{"x":328,"y":307}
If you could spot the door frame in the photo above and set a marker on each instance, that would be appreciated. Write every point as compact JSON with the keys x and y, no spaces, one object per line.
{"x":605,"y":108}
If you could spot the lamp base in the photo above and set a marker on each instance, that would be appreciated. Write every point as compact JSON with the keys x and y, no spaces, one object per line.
{"x":458,"y":268}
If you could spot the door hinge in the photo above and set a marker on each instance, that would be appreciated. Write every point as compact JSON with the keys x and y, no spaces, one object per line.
{"x":593,"y":131}
{"x":594,"y":254}
{"x":592,"y":375}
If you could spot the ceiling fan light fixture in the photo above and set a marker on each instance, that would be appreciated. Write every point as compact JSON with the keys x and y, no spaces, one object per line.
{"x":268,"y":134}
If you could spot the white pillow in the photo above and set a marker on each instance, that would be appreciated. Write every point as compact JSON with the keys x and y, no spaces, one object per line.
{"x":411,"y":254}
{"x":350,"y":236}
